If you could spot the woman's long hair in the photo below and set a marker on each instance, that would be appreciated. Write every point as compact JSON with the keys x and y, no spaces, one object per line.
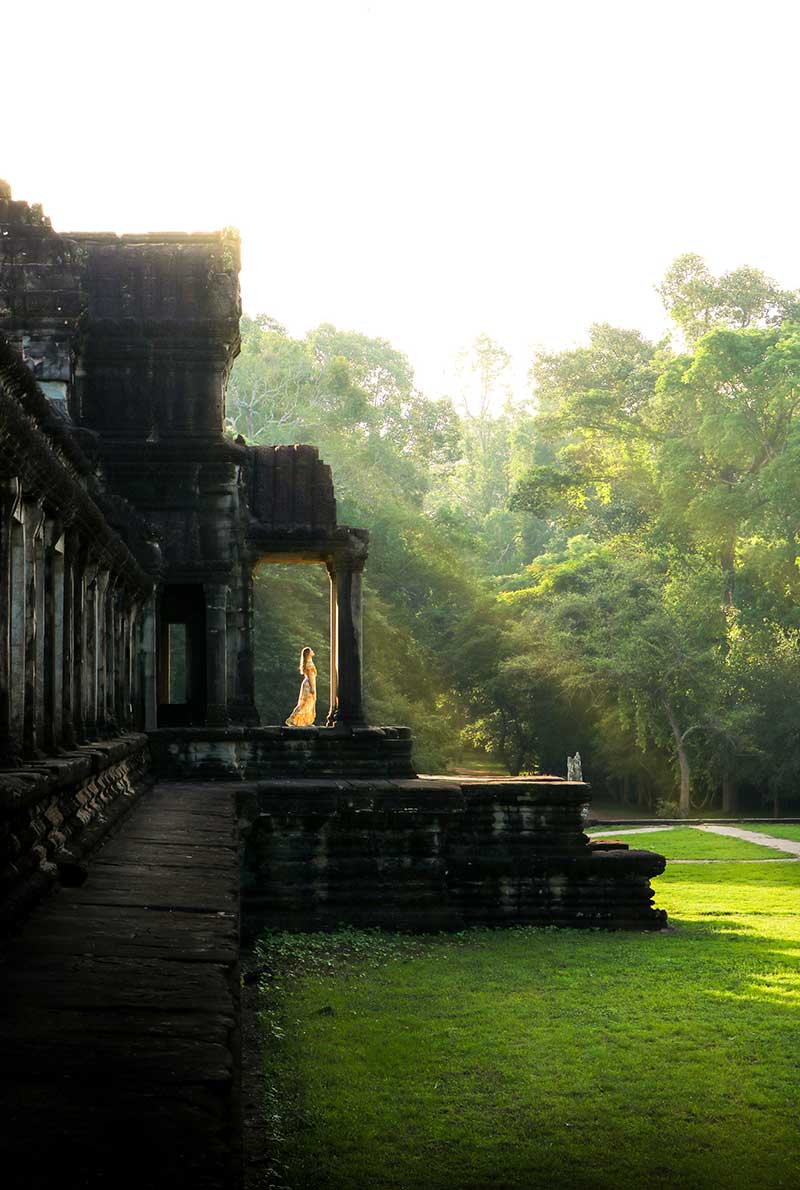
{"x":305,"y":657}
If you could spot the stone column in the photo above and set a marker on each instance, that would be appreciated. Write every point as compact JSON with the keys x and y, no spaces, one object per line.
{"x":90,"y":652}
{"x":6,"y":751}
{"x":33,"y":515}
{"x":103,"y":588}
{"x":148,"y":664}
{"x":73,"y":640}
{"x":53,"y":633}
{"x":334,"y":646}
{"x":18,"y":618}
{"x":350,"y":709}
{"x":70,"y":676}
{"x":110,"y":712}
{"x":216,"y":653}
{"x":120,"y":659}
{"x":135,"y":661}
{"x":59,"y":633}
{"x":128,"y":684}
{"x":241,"y":662}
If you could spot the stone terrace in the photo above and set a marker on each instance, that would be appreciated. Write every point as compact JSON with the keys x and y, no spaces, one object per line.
{"x":120,"y":1027}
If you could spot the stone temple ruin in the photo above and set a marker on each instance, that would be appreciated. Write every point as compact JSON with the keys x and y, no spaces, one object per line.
{"x":130,"y":527}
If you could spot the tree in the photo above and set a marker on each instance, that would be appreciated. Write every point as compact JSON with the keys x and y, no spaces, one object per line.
{"x":634,"y":635}
{"x":729,"y":421}
{"x":483,"y":370}
{"x":699,"y":302}
{"x":354,"y":398}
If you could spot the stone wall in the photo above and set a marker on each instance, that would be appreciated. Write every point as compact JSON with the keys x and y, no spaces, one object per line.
{"x":432,"y":854}
{"x":74,"y":602}
{"x":53,"y":814}
{"x":247,"y":754}
{"x":72,"y":594}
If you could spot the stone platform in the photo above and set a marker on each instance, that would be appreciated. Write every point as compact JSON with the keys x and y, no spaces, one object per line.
{"x":252,"y":753}
{"x":120,"y":1023}
{"x":435,"y":854}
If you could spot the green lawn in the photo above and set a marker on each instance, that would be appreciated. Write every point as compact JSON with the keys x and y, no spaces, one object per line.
{"x":525,"y":1058}
{"x":684,"y":842}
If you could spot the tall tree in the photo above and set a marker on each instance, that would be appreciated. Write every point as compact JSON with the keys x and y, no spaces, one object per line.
{"x":698,"y":302}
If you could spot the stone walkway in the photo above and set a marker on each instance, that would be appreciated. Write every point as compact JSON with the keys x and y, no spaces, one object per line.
{"x":119,"y":1036}
{"x":597,"y":832}
{"x":777,"y":859}
{"x":789,"y":846}
{"x":736,"y":832}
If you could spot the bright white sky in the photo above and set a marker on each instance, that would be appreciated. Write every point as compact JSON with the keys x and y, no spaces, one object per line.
{"x":426,"y":170}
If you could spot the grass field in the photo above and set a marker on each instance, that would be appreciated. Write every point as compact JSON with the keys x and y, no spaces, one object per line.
{"x":523,"y":1058}
{"x":684,"y":842}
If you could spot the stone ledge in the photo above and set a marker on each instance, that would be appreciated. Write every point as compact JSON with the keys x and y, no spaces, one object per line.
{"x":434,"y":853}
{"x":256,"y":753}
{"x":267,"y":732}
{"x":19,"y":787}
{"x":54,"y":814}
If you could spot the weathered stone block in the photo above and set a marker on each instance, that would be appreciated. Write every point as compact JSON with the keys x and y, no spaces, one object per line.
{"x":430,"y":854}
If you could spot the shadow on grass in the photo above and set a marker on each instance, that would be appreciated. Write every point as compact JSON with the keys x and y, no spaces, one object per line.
{"x":570,"y":1059}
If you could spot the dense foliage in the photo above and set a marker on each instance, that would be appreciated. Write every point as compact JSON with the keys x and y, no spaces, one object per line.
{"x":609,"y":565}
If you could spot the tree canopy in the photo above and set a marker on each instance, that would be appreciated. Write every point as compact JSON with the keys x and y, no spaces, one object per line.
{"x":607,"y":562}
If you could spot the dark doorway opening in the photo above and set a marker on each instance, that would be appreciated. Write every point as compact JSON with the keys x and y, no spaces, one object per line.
{"x":182,"y":655}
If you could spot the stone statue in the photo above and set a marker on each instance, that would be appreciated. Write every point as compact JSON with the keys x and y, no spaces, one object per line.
{"x":305,"y":712}
{"x":574,"y":772}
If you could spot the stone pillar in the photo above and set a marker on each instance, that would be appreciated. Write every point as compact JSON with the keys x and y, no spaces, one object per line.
{"x":18,"y":617}
{"x":70,"y":671}
{"x":350,"y":709}
{"x":103,"y":590}
{"x":90,"y":652}
{"x":136,"y":706}
{"x":241,"y":662}
{"x":148,"y":667}
{"x":40,"y":555}
{"x":127,"y":682}
{"x":53,"y":633}
{"x":112,"y":653}
{"x":59,"y":633}
{"x":334,"y":683}
{"x":120,"y":659}
{"x":6,"y":751}
{"x":216,"y":653}
{"x":33,"y":515}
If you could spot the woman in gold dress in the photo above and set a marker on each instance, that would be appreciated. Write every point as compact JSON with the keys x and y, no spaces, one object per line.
{"x":305,"y":712}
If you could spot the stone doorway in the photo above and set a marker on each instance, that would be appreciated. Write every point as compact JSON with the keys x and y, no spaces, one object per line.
{"x":291,"y":609}
{"x":181,"y":673}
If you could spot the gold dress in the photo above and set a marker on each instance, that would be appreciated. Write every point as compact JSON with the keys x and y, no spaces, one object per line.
{"x":305,"y":712}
